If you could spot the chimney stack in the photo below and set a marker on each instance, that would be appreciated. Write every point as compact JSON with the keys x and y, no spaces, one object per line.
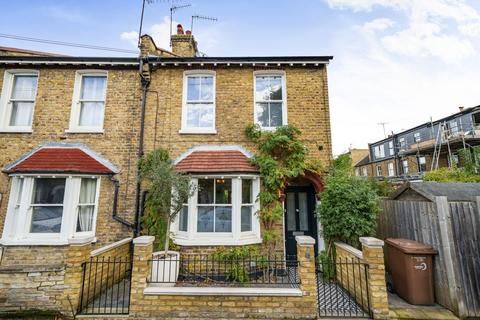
{"x":183,"y":43}
{"x":461,"y":108}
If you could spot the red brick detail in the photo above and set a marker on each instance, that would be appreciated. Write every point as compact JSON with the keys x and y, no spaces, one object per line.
{"x":216,"y":161}
{"x":72,"y":160}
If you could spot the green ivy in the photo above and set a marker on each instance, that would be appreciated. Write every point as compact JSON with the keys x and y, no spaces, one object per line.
{"x":280,"y":156}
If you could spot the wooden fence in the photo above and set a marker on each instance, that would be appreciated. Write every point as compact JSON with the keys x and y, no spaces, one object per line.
{"x":454,"y":230}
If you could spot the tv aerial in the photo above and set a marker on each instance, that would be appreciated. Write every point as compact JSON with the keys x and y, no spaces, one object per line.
{"x":173,"y":9}
{"x":200,"y":17}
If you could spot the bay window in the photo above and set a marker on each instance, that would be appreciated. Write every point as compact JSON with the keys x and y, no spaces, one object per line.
{"x":51,"y":210}
{"x":18,"y":100}
{"x":198,"y":111}
{"x":221,"y":212}
{"x":270,"y":100}
{"x":88,"y":105}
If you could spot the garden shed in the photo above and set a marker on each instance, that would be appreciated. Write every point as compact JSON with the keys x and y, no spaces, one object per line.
{"x":446,"y":216}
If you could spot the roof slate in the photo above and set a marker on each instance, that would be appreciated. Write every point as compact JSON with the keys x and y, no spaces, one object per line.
{"x":454,"y":191}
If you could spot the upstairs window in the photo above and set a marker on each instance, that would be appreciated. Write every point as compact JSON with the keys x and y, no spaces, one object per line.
{"x":88,"y":106}
{"x":379,"y":151}
{"x":198,"y":112}
{"x":402,"y":144}
{"x":390,"y":148}
{"x":417,"y":137}
{"x":18,"y":100}
{"x":270,"y":102}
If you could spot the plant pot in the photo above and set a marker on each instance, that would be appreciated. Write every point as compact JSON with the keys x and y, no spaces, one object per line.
{"x":165,"y":269}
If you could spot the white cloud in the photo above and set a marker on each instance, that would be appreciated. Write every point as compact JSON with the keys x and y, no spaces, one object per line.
{"x":160,"y":32}
{"x":428,"y":31}
{"x":131,"y":36}
{"x":380,"y":24}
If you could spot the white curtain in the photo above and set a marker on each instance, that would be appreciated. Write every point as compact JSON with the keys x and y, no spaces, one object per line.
{"x":86,"y":204}
{"x":92,"y":100}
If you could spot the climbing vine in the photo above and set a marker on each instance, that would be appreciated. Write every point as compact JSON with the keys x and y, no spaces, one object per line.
{"x":280,"y":156}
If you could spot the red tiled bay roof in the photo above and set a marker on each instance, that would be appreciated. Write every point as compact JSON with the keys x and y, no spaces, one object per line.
{"x":71,"y":160}
{"x":216,"y":161}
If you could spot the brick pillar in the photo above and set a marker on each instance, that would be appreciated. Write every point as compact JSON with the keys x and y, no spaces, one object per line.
{"x":372,"y":249}
{"x":142,"y":252}
{"x":76,"y":255}
{"x":307,"y":273}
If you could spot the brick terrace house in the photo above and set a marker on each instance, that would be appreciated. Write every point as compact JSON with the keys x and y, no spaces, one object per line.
{"x":409,"y":154}
{"x":72,"y":130}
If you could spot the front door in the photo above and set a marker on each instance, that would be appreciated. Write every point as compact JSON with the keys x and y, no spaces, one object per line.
{"x":300,"y":218}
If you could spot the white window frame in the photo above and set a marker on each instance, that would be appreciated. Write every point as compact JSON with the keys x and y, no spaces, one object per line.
{"x":379,"y":170}
{"x":284,"y":96}
{"x":76,"y":105}
{"x":405,"y":166}
{"x":16,"y":230}
{"x":390,"y":148}
{"x":6,"y":106}
{"x":391,"y":169}
{"x":379,"y":151}
{"x":420,"y":160}
{"x":364,"y":171}
{"x":236,"y":237}
{"x":194,"y":130}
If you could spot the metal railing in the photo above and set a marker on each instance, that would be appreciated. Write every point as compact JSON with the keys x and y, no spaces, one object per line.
{"x":343,"y":288}
{"x":106,"y":286}
{"x":208,"y":270}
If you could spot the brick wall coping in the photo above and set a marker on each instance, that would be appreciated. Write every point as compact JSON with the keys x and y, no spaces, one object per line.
{"x":357,"y":253}
{"x":143,"y":240}
{"x":371,"y":241}
{"x":110,"y":247}
{"x":221,"y":291}
{"x":304,"y":240}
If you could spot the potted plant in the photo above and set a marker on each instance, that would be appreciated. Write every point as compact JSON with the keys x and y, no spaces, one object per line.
{"x":168,"y":191}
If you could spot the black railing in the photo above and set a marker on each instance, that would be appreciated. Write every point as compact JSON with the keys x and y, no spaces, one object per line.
{"x":208,"y":270}
{"x":343,"y":288}
{"x":106,"y":286}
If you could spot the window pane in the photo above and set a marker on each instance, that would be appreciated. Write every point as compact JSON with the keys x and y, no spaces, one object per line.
{"x":223,"y":219}
{"x":88,"y":190}
{"x":205,"y":191}
{"x":246,"y":218}
{"x":291,"y":214}
{"x":193,"y":88}
{"x":205,"y":219}
{"x":183,"y":219}
{"x":247,"y":191}
{"x":207,"y":89}
{"x":223,"y":191}
{"x":21,"y":114}
{"x":261,"y":110}
{"x":303,"y":211}
{"x":268,"y":88}
{"x":46,"y":219}
{"x":85,"y":218}
{"x":24,"y":87}
{"x":93,"y":88}
{"x":275,"y":114}
{"x":199,"y":115}
{"x":48,"y":191}
{"x":91,"y":114}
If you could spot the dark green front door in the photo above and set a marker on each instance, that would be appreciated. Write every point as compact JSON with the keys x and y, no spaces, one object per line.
{"x":300,"y":218}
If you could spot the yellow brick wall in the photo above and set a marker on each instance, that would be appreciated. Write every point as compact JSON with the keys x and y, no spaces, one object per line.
{"x":119,"y":142}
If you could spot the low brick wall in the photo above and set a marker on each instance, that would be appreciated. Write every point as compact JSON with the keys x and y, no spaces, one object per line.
{"x":219,"y":303}
{"x":42,"y":278}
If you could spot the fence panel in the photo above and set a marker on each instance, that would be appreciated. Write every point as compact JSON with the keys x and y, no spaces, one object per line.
{"x":418,"y":220}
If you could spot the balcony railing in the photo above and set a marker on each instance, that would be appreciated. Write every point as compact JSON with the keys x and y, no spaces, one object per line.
{"x":208,"y":270}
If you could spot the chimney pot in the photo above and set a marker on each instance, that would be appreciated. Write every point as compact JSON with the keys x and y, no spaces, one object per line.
{"x":461,"y":108}
{"x":188,"y":33}
{"x":179,"y":29}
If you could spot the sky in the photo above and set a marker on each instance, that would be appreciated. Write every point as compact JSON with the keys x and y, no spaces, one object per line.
{"x":398,"y":62}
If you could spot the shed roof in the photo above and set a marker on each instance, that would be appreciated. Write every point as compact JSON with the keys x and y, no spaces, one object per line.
{"x":454,"y":191}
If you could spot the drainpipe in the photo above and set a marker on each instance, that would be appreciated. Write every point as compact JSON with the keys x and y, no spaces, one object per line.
{"x":116,"y":184}
{"x":145,"y":83}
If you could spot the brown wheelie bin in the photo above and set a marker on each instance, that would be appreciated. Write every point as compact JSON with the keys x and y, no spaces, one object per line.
{"x":411,"y":267}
